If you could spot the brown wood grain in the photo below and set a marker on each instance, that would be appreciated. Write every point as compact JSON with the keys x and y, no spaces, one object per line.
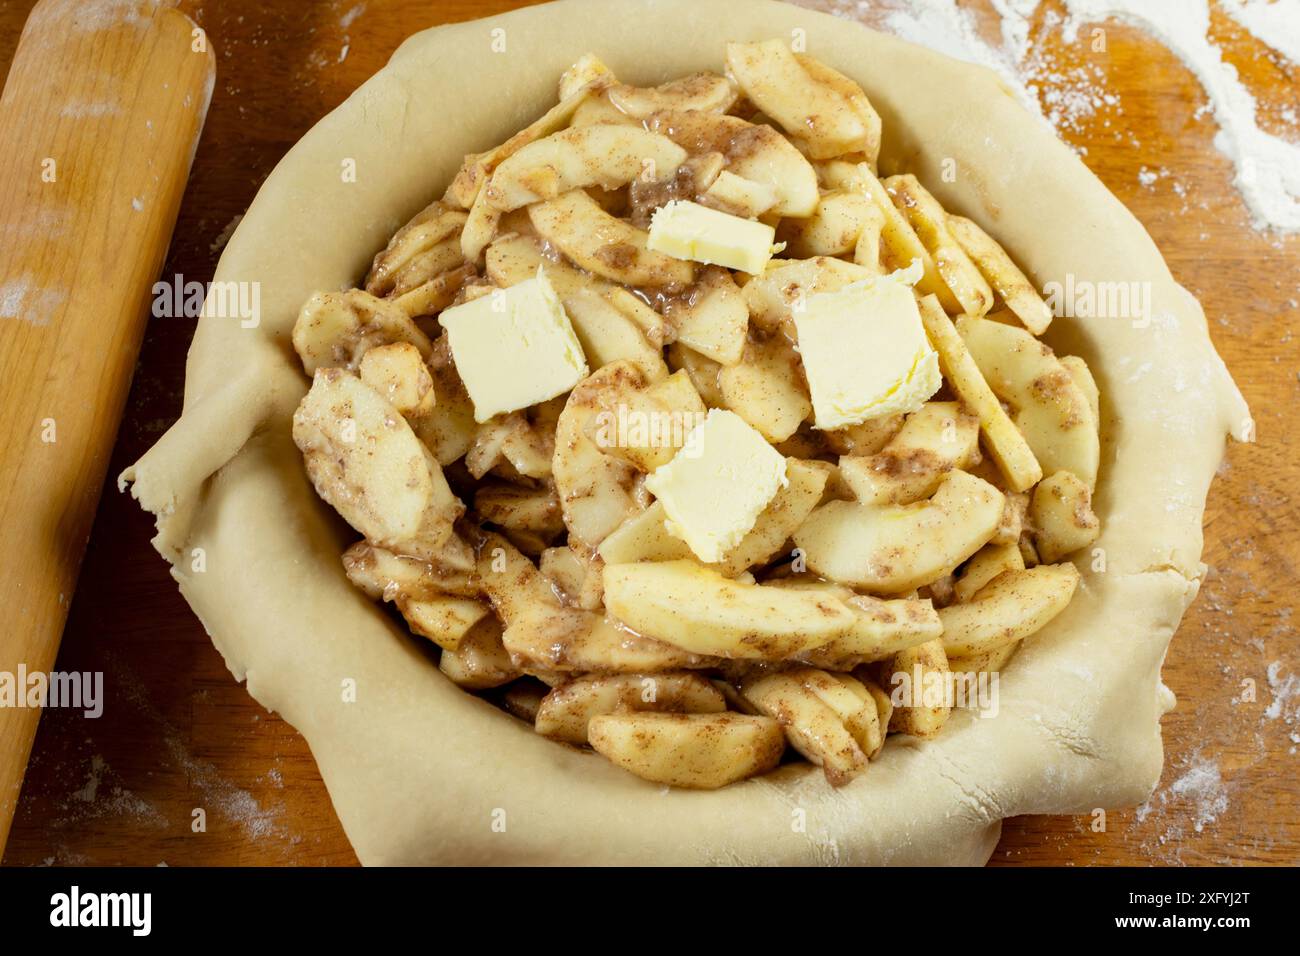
{"x":86,"y":215}
{"x":179,"y":734}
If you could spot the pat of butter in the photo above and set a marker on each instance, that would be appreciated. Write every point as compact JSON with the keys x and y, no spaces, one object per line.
{"x":865,"y":352}
{"x":715,"y":487}
{"x":687,"y":230}
{"x":514,"y":347}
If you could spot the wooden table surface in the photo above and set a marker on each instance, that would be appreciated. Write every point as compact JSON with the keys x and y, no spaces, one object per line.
{"x":178,"y":733}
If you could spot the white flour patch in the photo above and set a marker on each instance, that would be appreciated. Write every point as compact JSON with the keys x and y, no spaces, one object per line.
{"x":1285,"y":705}
{"x":224,"y":236}
{"x":1198,"y":796}
{"x":81,"y":110}
{"x":100,"y":797}
{"x":1203,"y":788}
{"x":943,"y":26}
{"x":350,"y":17}
{"x":12,"y":296}
{"x":19,"y":299}
{"x":1064,"y":97}
{"x":1275,"y":22}
{"x":230,"y":801}
{"x":87,"y":793}
{"x":101,"y":15}
{"x":1267,"y":167}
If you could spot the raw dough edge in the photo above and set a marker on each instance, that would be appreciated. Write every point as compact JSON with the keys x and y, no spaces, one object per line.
{"x":417,"y":768}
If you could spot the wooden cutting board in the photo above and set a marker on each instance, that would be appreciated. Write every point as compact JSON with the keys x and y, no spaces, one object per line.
{"x":179,"y":734}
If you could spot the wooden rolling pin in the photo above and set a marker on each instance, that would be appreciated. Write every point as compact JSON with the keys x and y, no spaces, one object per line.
{"x":99,"y":120}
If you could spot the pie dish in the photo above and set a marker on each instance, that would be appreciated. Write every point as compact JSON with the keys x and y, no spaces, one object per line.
{"x":421,"y":772}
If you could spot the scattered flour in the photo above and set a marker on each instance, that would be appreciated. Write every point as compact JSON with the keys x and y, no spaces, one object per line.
{"x":1286,"y":695}
{"x":943,"y":26}
{"x":80,"y":110}
{"x":1198,"y":794}
{"x":87,"y":793}
{"x":230,"y":801}
{"x":99,"y":797}
{"x":1203,"y":788}
{"x":1267,"y":167}
{"x":224,"y":236}
{"x":94,"y":17}
{"x":1275,"y":22}
{"x":20,"y":299}
{"x":350,"y":17}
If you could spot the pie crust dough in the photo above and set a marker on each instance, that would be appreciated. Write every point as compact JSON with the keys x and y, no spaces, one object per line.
{"x":421,"y":772}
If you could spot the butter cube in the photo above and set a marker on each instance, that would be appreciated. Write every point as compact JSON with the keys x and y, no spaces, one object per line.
{"x":687,"y":230}
{"x":514,"y":347}
{"x":865,"y":352}
{"x":715,"y":487}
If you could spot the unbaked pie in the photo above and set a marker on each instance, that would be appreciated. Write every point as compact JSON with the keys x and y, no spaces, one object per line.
{"x":418,"y":770}
{"x":686,"y":436}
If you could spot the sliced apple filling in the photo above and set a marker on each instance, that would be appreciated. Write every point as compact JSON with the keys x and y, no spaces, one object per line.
{"x":684,"y":436}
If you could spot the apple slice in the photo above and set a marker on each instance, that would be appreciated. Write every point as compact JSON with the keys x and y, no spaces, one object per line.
{"x":924,"y":688}
{"x":880,"y":628}
{"x":442,"y":618}
{"x":698,"y":751}
{"x":810,"y":109}
{"x":643,"y":537}
{"x":934,"y":440}
{"x":363,"y":459}
{"x":832,"y":230}
{"x":693,"y":607}
{"x":608,"y":334}
{"x":819,"y":716}
{"x":593,"y":239}
{"x":603,"y":155}
{"x":398,"y":373}
{"x":1004,"y":442}
{"x":478,"y":167}
{"x":930,"y":223}
{"x":1050,"y":410}
{"x":436,"y":227}
{"x":335,"y":329}
{"x":894,"y":548}
{"x":713,"y":318}
{"x":705,"y":92}
{"x":1009,"y":608}
{"x":480,"y":660}
{"x":1062,"y":517}
{"x":567,"y":710}
{"x":987,"y":563}
{"x":754,"y":152}
{"x":766,"y":388}
{"x":1002,"y":274}
{"x":544,"y":637}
